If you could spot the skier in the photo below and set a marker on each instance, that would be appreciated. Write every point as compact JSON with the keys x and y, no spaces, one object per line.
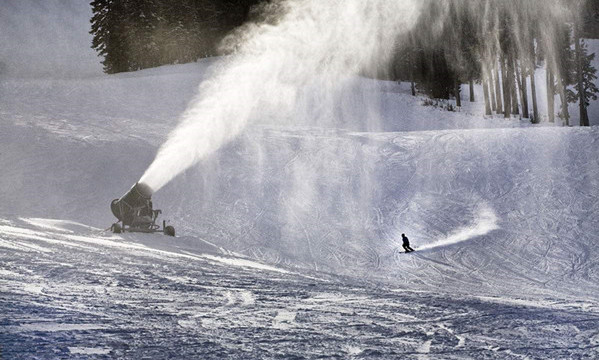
{"x":406,"y":243}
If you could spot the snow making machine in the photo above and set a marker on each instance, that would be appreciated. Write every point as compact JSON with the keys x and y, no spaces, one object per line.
{"x":135,"y":213}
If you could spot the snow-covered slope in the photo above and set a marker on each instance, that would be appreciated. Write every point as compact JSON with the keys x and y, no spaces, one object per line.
{"x":290,"y":235}
{"x":498,"y":210}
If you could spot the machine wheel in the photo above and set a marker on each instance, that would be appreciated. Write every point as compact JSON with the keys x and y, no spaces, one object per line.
{"x":169,"y":230}
{"x":116,"y":228}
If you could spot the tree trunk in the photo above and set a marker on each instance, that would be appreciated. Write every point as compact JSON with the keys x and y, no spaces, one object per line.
{"x":506,"y":89}
{"x":550,"y":96}
{"x":512,"y":76}
{"x":471,"y":85}
{"x":533,"y":84}
{"x":521,"y":77}
{"x":492,"y":90}
{"x":582,"y":102}
{"x":498,"y":90}
{"x":458,"y":100}
{"x":565,"y":114}
{"x":486,"y":96}
{"x":533,"y":90}
{"x":412,"y":84}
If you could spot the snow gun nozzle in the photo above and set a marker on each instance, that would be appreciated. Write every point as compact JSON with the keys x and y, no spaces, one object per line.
{"x":138,"y":197}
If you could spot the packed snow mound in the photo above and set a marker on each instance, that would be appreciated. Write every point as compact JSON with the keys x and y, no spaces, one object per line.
{"x":492,"y":206}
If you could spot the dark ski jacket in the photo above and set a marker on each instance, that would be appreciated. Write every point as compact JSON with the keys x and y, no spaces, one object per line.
{"x":406,"y":242}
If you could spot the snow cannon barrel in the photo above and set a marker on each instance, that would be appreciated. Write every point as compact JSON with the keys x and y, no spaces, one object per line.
{"x":137,"y":199}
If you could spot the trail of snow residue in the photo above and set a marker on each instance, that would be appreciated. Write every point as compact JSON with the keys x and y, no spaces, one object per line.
{"x":486,"y":222}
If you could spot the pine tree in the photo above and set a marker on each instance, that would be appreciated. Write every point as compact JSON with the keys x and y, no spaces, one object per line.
{"x":137,"y":34}
{"x":107,"y":39}
{"x":564,"y":62}
{"x":586,"y":74}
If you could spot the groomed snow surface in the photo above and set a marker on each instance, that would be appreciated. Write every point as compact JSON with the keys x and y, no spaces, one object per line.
{"x":289,"y":237}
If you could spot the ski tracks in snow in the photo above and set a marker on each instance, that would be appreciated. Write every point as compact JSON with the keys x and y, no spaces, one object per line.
{"x":124,"y":297}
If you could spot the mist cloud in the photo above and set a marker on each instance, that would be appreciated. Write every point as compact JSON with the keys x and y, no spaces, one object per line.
{"x":310,"y":44}
{"x":47,"y":38}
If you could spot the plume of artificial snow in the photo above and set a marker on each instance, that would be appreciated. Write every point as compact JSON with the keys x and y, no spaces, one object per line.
{"x":303,"y":43}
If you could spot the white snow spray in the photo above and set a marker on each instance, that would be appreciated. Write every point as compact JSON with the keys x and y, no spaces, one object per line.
{"x":297,"y":44}
{"x":486,"y":222}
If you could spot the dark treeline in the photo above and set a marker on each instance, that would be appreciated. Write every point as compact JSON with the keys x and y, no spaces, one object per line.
{"x":496,"y":43}
{"x":500,"y":44}
{"x":138,"y":34}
